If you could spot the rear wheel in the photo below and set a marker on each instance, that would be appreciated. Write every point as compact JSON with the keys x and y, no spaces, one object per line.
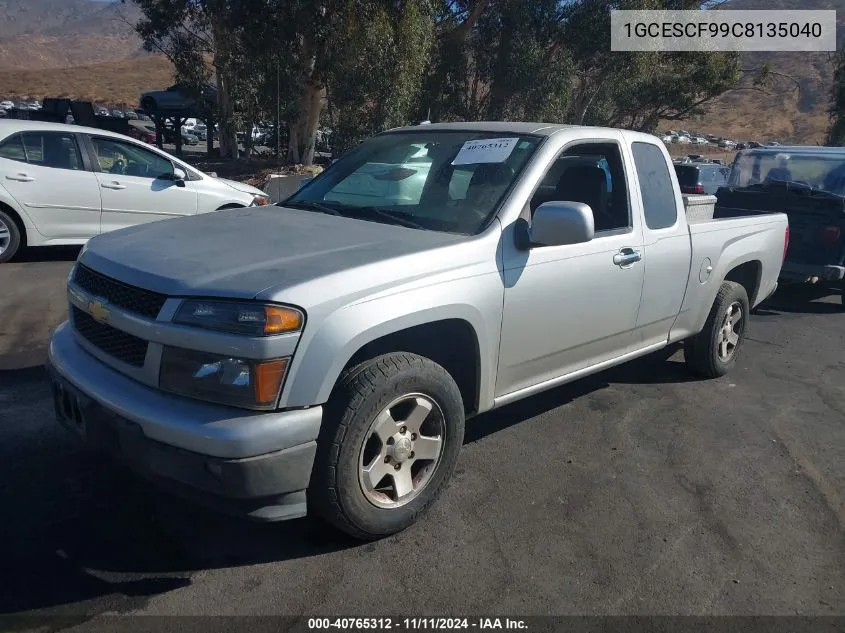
{"x":714,"y":350}
{"x":389,"y":444}
{"x":10,"y":237}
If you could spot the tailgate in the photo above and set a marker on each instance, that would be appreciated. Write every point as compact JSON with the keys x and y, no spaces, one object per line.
{"x":816,"y":225}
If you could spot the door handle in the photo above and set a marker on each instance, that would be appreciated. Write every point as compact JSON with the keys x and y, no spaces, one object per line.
{"x":20,"y":178}
{"x":112,"y":185}
{"x":627,"y":257}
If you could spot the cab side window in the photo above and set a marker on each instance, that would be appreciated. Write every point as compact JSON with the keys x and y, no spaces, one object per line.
{"x":658,"y":194}
{"x":591,"y":173}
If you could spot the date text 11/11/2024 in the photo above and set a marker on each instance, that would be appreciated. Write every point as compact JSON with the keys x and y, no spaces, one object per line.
{"x":413,"y":624}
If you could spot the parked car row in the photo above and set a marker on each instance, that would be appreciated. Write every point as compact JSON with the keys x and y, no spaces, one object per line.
{"x":683,"y":137}
{"x":118,"y":113}
{"x":32,"y":104}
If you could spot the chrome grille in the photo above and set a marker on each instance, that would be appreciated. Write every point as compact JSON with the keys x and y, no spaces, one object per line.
{"x":143,"y":302}
{"x":121,"y":345}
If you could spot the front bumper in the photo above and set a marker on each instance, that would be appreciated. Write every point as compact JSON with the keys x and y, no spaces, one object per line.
{"x":241,"y":462}
{"x":803,"y":273}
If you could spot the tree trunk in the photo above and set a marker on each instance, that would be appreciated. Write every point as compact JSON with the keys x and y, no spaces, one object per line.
{"x":500,"y":90}
{"x":303,"y":133}
{"x":228,"y":135}
{"x":226,"y":110}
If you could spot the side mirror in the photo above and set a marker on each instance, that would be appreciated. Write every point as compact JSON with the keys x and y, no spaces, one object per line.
{"x":179,"y":176}
{"x":561,"y":223}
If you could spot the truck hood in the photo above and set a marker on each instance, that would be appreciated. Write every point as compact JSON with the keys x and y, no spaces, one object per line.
{"x":243,"y":253}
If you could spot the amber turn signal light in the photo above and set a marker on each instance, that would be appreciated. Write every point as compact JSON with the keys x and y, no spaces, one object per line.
{"x":279,"y":320}
{"x":268,"y":380}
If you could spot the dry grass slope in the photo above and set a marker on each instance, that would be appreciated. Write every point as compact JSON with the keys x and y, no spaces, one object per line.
{"x":110,"y":82}
{"x":782,"y":112}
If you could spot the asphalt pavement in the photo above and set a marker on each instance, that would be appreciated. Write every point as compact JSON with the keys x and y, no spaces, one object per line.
{"x":637,"y":491}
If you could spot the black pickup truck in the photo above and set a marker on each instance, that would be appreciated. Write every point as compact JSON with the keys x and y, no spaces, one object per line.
{"x":807,"y":183}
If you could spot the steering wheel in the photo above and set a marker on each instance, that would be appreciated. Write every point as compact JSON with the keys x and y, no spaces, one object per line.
{"x":118,"y":166}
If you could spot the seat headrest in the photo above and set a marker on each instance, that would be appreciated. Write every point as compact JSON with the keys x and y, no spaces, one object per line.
{"x":495,"y":174}
{"x":582,"y":178}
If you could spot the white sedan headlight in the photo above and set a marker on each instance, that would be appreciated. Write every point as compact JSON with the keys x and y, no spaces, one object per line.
{"x":259,"y":200}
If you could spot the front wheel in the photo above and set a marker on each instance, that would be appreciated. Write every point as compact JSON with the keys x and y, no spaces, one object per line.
{"x":393,"y":430}
{"x":10,"y":237}
{"x":713,"y":351}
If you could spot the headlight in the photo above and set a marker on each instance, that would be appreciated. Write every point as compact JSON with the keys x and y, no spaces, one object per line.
{"x":254,"y":319}
{"x":259,"y":201}
{"x":236,"y":382}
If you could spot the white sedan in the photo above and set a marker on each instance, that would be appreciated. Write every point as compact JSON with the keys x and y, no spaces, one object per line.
{"x":63,"y":184}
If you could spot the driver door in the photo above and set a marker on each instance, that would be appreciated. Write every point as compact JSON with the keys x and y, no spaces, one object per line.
{"x":136,"y":185}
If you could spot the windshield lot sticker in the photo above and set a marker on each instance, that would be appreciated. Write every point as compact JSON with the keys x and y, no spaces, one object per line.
{"x":485,"y":150}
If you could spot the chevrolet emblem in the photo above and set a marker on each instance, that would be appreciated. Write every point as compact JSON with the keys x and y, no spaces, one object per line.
{"x":98,"y":310}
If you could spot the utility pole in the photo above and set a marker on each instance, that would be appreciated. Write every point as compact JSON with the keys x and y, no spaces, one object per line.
{"x":278,"y":113}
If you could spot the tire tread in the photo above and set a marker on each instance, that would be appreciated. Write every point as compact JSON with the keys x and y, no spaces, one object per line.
{"x":698,"y":352}
{"x":353,"y":387}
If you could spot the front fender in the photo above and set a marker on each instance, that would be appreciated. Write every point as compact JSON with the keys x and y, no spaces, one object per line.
{"x":327,"y":347}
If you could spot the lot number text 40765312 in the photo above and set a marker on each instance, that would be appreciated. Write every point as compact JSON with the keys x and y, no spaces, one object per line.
{"x":413,"y":624}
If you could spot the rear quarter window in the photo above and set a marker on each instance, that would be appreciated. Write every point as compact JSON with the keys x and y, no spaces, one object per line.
{"x":656,"y":189}
{"x":12,"y":148}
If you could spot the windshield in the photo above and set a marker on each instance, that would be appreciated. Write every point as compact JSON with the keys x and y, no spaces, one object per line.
{"x":822,"y":170}
{"x":435,"y":180}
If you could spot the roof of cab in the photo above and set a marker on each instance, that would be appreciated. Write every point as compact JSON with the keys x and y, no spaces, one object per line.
{"x":512,"y":127}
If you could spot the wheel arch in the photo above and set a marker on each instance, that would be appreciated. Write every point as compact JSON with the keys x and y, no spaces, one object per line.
{"x":450,"y":335}
{"x":747,"y":275}
{"x":451,"y":343}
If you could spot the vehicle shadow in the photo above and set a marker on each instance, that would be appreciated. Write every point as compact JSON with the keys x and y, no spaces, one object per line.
{"x":84,"y":536}
{"x":47,"y":254}
{"x":802,"y":299}
{"x":81,"y":535}
{"x":657,"y":368}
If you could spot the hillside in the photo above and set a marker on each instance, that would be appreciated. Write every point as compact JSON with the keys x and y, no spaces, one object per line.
{"x":783,"y":112}
{"x":119,"y":82}
{"x":38,"y":34}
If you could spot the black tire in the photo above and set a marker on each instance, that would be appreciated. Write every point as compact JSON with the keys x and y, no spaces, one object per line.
{"x":701,"y":352}
{"x":14,"y":237}
{"x":362,"y":393}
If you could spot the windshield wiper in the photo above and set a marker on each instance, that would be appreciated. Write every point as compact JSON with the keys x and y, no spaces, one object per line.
{"x":394,"y":217}
{"x":309,"y":205}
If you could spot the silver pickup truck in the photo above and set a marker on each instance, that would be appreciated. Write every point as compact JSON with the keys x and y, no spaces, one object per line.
{"x":324,"y":354}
